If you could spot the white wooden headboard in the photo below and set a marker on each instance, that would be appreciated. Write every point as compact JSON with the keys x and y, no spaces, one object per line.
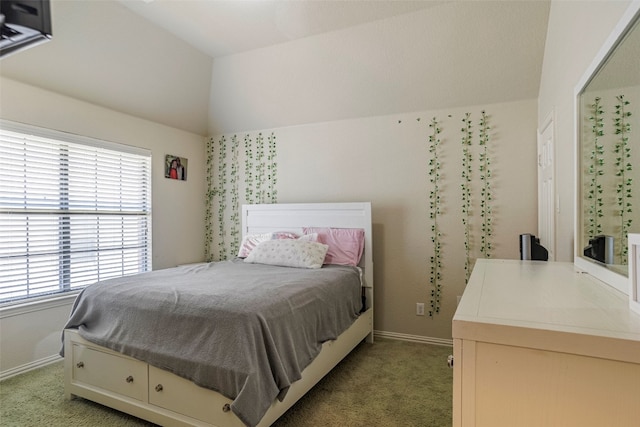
{"x":264,"y":218}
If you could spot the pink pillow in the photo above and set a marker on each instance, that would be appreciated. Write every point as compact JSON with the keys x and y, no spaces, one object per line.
{"x":345,"y":244}
{"x":278,"y":235}
{"x":250,"y":241}
{"x":284,"y":235}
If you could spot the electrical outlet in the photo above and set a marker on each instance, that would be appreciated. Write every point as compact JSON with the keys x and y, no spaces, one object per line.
{"x":419,"y":309}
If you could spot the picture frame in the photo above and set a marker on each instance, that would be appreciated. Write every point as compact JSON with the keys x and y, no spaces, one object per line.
{"x":175,"y":167}
{"x":634,"y":271}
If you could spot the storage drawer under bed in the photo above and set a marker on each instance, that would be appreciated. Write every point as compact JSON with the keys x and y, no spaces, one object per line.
{"x":118,"y":374}
{"x":171,"y":392}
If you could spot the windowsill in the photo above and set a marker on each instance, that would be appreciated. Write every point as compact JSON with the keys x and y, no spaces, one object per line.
{"x":37,"y":304}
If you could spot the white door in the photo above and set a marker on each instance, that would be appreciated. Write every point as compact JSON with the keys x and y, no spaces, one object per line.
{"x":546,"y":187}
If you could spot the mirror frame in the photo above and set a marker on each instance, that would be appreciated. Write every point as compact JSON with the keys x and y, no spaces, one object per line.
{"x":595,"y":269}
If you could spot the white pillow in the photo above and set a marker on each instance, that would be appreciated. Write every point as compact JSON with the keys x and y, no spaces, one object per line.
{"x":289,"y":253}
{"x":250,"y":241}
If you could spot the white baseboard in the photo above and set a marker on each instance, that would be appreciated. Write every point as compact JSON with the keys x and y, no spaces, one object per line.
{"x":29,"y":366}
{"x":413,"y":338}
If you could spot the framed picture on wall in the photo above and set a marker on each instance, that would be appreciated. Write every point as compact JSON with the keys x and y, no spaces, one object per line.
{"x":175,"y":167}
{"x":634,"y":271}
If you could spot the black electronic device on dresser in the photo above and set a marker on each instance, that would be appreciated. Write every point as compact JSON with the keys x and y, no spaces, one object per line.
{"x":531,"y":249}
{"x":600,"y":248}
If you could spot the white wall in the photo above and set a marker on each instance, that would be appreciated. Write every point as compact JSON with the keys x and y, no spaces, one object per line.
{"x":177,"y":206}
{"x":384,"y":160}
{"x":576,"y":32}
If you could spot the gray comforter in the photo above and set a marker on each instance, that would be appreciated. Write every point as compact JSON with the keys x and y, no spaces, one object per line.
{"x":244,"y":330}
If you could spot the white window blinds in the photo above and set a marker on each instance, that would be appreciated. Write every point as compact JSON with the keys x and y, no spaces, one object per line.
{"x":73,"y":211}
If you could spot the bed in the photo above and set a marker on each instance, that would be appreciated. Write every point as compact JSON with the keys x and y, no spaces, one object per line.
{"x":128,"y":366}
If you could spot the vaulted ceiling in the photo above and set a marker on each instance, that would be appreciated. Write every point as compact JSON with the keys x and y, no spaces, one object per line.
{"x":188,"y":63}
{"x":220,"y":28}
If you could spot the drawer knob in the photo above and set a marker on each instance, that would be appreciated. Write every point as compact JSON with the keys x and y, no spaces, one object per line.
{"x":226,"y":407}
{"x":159,"y":388}
{"x":129,"y":379}
{"x":80,"y":364}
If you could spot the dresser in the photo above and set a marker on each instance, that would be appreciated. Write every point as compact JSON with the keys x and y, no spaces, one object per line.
{"x":542,"y":344}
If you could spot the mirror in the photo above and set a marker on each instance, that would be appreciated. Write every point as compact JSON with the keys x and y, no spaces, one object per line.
{"x":608,"y":155}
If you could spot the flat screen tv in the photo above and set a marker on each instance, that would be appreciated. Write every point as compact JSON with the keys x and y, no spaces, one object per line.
{"x":24,"y":23}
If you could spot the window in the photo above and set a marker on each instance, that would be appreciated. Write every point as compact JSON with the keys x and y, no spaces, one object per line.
{"x":73,"y":210}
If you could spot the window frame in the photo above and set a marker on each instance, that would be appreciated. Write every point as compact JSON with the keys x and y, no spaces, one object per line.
{"x":34,"y":132}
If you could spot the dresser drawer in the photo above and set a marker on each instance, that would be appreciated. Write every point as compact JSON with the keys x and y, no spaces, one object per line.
{"x":119,"y":374}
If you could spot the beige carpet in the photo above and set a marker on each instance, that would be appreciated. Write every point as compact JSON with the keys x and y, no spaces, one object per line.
{"x":386,"y":384}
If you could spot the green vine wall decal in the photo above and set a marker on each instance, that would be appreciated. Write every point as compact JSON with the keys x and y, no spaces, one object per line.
{"x":225,"y":181}
{"x":486,"y":193}
{"x":272,"y":170}
{"x":235,"y":202}
{"x":221,"y":192}
{"x":466,"y":192}
{"x":249,"y":190}
{"x":260,"y":190}
{"x":594,"y":171}
{"x":210,"y":193}
{"x":624,"y":187}
{"x":435,"y":211}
